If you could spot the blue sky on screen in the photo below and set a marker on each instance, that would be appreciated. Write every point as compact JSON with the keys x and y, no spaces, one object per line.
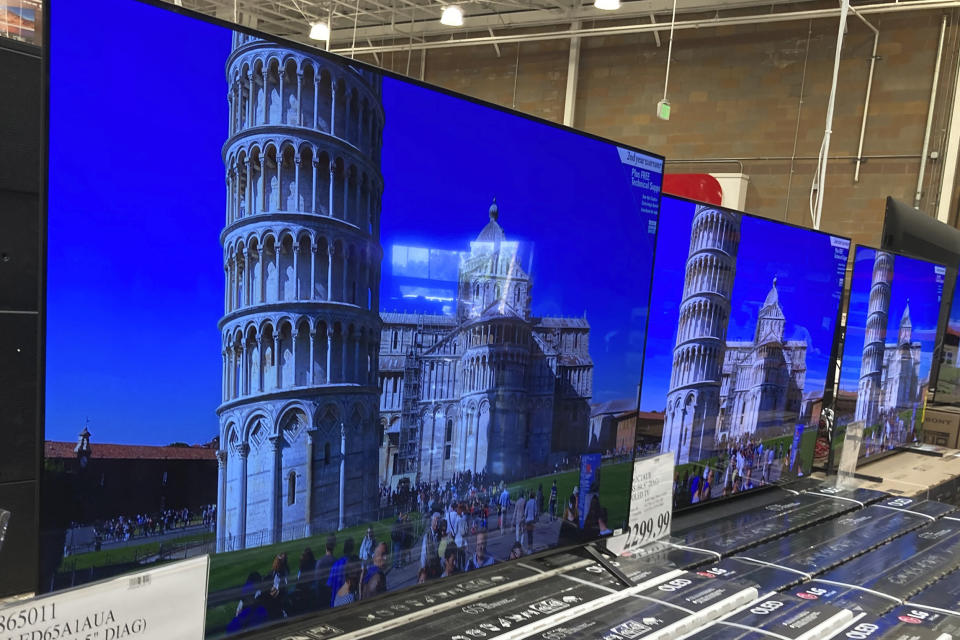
{"x":136,"y":206}
{"x":809,"y":271}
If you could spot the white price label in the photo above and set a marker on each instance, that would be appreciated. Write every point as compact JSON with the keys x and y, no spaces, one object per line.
{"x":163,"y":603}
{"x":651,"y":503}
{"x":849,"y":455}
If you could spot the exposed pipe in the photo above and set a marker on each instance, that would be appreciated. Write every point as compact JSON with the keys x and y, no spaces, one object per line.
{"x":327,"y":44}
{"x":409,"y":48}
{"x":624,"y":29}
{"x":866,"y":100}
{"x":496,"y":47}
{"x":376,"y":56}
{"x":656,"y":34}
{"x":735,"y":161}
{"x":573,"y":76}
{"x":791,"y":159}
{"x":941,"y":125}
{"x":945,"y":199}
{"x":516,"y":75}
{"x":796,"y":131}
{"x":880,"y":156}
{"x":820,"y":180}
{"x":353,"y":40}
{"x":673,"y":21}
{"x":930,"y":108}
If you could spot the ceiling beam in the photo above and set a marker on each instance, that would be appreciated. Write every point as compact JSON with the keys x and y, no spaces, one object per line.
{"x":624,"y":29}
{"x":430,"y":25}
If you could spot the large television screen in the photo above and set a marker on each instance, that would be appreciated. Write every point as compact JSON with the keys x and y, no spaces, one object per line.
{"x":333,"y":325}
{"x":892,"y":316}
{"x":743,"y":316}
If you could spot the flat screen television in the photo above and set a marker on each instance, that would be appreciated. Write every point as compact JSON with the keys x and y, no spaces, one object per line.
{"x":892,"y":316}
{"x":294,"y":301}
{"x":743,"y":317}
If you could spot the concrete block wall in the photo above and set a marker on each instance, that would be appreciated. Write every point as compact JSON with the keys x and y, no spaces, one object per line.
{"x":736,"y":93}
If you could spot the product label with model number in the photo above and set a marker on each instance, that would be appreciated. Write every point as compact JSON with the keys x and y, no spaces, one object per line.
{"x":168,"y":602}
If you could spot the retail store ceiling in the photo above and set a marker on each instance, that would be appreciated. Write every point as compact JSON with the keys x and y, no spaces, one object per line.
{"x":371,"y":25}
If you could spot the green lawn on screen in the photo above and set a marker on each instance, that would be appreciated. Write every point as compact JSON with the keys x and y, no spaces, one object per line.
{"x":229,"y":571}
{"x":615,"y":480}
{"x":127,"y":555}
{"x":808,"y":442}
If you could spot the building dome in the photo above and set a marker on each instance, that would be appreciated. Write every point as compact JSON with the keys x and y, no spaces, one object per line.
{"x":492,"y":232}
{"x":771,"y":306}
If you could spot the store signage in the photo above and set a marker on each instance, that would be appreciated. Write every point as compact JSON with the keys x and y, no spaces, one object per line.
{"x":167,"y":602}
{"x":651,"y":504}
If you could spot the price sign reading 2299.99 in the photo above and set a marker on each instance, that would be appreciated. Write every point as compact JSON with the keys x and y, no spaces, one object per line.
{"x":651,"y":503}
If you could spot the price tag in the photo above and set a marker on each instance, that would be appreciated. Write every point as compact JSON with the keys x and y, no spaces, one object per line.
{"x":651,"y":504}
{"x":164,"y":603}
{"x":849,"y":455}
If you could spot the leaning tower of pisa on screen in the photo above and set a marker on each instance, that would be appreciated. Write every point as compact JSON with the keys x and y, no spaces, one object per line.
{"x":298,"y":420}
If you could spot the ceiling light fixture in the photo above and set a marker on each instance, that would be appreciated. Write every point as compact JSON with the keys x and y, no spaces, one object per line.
{"x":452,"y":16}
{"x":319,"y":31}
{"x":607,"y":5}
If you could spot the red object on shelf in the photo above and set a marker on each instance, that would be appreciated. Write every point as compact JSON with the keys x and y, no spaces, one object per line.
{"x":696,"y":186}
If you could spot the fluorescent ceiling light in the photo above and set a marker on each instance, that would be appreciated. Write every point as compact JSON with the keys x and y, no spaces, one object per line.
{"x":319,"y":31}
{"x":452,"y":16}
{"x":607,"y":5}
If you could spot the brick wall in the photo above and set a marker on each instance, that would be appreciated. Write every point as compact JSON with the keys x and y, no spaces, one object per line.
{"x":736,"y":93}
